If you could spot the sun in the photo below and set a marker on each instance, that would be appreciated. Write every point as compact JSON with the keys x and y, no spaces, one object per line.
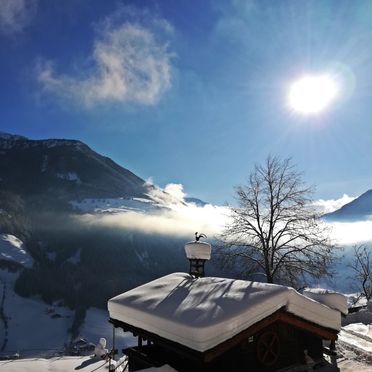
{"x":312,"y":94}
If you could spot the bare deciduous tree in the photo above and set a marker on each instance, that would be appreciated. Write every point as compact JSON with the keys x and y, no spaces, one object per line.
{"x":275,"y":231}
{"x":362,"y":269}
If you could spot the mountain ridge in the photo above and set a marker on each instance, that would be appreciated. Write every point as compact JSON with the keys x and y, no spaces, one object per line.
{"x":63,"y":168}
{"x":358,"y":209}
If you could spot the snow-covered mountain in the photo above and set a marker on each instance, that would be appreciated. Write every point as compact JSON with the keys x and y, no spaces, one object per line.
{"x":70,"y":266}
{"x":358,"y":209}
{"x":64,"y":169}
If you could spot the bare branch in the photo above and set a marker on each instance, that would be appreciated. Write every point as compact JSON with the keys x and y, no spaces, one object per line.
{"x":362,"y":269}
{"x":274,"y":227}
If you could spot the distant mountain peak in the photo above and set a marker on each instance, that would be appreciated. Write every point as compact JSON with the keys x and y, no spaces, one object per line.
{"x":64,"y":169}
{"x":358,"y":209}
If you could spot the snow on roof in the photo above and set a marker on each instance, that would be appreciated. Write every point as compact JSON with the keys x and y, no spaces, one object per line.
{"x":12,"y":249}
{"x":334,"y":300}
{"x":202,"y":313}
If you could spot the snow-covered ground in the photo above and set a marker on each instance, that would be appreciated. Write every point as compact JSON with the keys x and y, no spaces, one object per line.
{"x":96,"y":325}
{"x":348,"y":363}
{"x":35,"y":328}
{"x":29,"y":326}
{"x":65,"y":364}
{"x":13,"y":249}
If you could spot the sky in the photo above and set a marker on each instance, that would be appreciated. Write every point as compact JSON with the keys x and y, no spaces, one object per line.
{"x":194,"y":92}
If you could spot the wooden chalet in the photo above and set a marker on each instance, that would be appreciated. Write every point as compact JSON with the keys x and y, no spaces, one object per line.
{"x":217,"y":324}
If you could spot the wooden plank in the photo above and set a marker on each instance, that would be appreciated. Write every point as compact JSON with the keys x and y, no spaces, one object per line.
{"x":322,"y":332}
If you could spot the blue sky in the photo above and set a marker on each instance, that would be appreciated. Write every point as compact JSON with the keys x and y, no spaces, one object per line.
{"x":193,"y":92}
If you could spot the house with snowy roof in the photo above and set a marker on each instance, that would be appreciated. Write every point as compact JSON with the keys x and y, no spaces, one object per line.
{"x":197,"y":323}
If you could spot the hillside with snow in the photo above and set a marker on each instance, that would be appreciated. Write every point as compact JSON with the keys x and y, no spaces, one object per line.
{"x":31,"y":327}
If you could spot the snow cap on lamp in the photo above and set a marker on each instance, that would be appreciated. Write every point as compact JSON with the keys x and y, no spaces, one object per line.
{"x":198,"y":253}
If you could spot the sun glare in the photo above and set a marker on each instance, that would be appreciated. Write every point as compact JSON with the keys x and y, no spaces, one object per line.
{"x":312,"y":94}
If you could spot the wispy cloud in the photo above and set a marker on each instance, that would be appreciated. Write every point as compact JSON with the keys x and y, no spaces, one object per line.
{"x":171,"y":195}
{"x":130,"y":63}
{"x":15,"y":15}
{"x":330,"y":205}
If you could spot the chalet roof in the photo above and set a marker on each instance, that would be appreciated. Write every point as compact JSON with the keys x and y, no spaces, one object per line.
{"x":202,"y":313}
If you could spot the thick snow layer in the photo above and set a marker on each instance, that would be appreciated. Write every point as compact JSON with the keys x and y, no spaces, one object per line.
{"x":13,"y":249}
{"x":355,"y":299}
{"x":202,"y":313}
{"x":363,"y":329}
{"x":199,"y":250}
{"x":354,"y":366}
{"x":355,"y":341}
{"x":360,"y":329}
{"x":334,"y":300}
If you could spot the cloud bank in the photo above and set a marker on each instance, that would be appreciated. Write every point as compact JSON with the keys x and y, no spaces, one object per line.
{"x":349,"y":233}
{"x":181,"y":220}
{"x":175,"y":217}
{"x":328,"y":206}
{"x":15,"y":15}
{"x":130,"y":63}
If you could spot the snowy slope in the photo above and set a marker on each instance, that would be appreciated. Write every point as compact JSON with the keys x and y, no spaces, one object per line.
{"x":96,"y":325}
{"x":27,"y":325}
{"x":13,"y":249}
{"x":114,"y":205}
{"x":31,"y":327}
{"x":358,"y":336}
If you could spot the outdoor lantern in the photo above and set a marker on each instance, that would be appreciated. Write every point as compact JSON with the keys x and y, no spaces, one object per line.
{"x":198,"y":253}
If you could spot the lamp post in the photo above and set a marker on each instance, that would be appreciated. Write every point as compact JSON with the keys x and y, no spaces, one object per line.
{"x":198,"y":253}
